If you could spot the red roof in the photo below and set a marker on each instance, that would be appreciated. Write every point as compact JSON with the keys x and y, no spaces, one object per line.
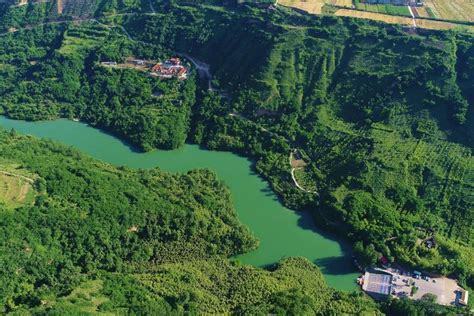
{"x":383,"y":260}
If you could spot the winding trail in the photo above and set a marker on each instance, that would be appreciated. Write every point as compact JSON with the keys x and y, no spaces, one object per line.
{"x":294,"y":177}
{"x":233,"y":114}
{"x":151,"y":6}
{"x":296,"y":182}
{"x":30,"y":27}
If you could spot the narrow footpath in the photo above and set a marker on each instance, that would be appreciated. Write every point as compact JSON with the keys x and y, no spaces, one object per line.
{"x":17,"y":176}
{"x":293,"y":170}
{"x":412,"y":16}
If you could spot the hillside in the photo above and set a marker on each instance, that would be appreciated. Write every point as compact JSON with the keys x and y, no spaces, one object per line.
{"x":382,"y":119}
{"x":433,"y":14}
{"x":58,"y":73}
{"x":104,"y":239}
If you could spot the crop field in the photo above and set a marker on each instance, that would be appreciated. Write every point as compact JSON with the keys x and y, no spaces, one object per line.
{"x":427,"y":24}
{"x":82,"y":37}
{"x":16,"y":185}
{"x":311,"y":6}
{"x":441,"y":25}
{"x":383,"y":8}
{"x":462,"y":10}
{"x":424,"y":12}
{"x":384,"y":13}
{"x":375,"y":16}
{"x":341,"y":3}
{"x":314,"y":6}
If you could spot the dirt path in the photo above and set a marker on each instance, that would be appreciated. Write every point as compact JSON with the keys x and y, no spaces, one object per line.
{"x":296,"y":182}
{"x":233,"y":114}
{"x":151,"y":7}
{"x":30,"y":27}
{"x":294,"y":177}
{"x":203,"y":69}
{"x":412,"y":16}
{"x":18,"y":176}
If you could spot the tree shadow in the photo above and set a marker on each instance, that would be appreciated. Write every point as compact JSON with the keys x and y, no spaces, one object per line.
{"x":336,"y":265}
{"x":268,"y":192}
{"x":131,"y":147}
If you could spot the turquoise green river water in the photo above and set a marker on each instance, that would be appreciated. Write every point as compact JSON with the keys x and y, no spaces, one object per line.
{"x":282,"y":232}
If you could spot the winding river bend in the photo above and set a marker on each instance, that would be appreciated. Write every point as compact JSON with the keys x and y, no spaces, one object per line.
{"x":282,"y":232}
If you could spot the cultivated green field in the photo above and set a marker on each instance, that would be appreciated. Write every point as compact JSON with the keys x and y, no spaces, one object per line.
{"x":382,"y":8}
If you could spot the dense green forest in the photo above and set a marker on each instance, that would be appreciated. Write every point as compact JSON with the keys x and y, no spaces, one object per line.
{"x":55,"y":71}
{"x":101,"y":239}
{"x":383,"y":119}
{"x":104,"y":239}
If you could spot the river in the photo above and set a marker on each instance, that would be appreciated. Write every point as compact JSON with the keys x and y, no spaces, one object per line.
{"x":281,"y":232}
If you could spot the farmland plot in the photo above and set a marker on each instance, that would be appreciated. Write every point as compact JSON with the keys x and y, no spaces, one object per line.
{"x":427,"y":24}
{"x":462,"y":10}
{"x":311,"y":6}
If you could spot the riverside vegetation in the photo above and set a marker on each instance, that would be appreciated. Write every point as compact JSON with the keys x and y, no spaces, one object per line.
{"x":104,"y":239}
{"x":383,"y":119}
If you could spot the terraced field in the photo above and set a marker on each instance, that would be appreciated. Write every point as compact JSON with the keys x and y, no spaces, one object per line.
{"x":83,"y":37}
{"x":15,"y":190}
